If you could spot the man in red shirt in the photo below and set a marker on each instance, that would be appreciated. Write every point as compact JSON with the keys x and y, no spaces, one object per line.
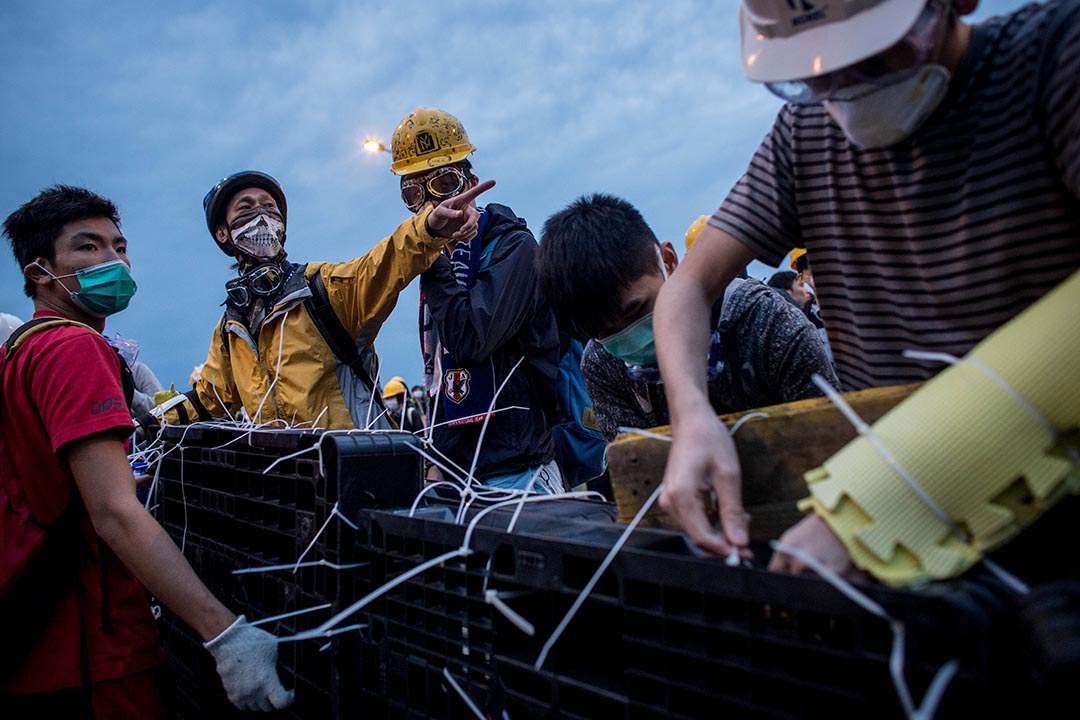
{"x":63,"y":424}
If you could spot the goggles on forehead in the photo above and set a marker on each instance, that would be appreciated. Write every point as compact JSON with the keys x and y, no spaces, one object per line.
{"x":261,"y":281}
{"x":888,"y":67}
{"x":438,"y":185}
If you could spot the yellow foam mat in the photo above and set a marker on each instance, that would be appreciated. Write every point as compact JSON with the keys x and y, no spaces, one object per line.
{"x":971,"y":446}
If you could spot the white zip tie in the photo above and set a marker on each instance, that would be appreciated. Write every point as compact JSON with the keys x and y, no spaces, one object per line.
{"x":496,"y":411}
{"x":595,"y":578}
{"x":464,"y":695}
{"x":283,"y":458}
{"x":404,"y":577}
{"x":183,"y":499}
{"x":864,"y":430}
{"x":1014,"y":583}
{"x":1001,"y":382}
{"x":293,"y":566}
{"x":277,"y":372}
{"x":513,"y":522}
{"x":644,"y":433}
{"x":491,"y":597}
{"x":483,"y":428}
{"x":533,"y":499}
{"x":528,"y":489}
{"x":311,"y":635}
{"x":427,"y":488}
{"x":330,"y":516}
{"x":739,"y":423}
{"x":153,"y":485}
{"x":942,"y":677}
{"x":291,"y":614}
{"x":1023,"y":402}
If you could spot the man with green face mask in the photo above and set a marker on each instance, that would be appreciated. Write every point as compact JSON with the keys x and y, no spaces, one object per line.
{"x":77,"y":629}
{"x":602,"y":267}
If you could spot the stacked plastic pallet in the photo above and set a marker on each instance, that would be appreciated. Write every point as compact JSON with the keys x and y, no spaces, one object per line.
{"x":664,"y":634}
{"x":229,"y":500}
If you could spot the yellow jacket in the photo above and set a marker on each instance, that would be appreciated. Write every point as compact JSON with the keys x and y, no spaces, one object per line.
{"x":289,"y":372}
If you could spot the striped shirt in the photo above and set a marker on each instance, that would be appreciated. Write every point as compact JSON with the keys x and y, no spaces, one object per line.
{"x":935,"y":242}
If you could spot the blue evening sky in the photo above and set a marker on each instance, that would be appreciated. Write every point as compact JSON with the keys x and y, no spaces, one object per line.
{"x":152,"y":103}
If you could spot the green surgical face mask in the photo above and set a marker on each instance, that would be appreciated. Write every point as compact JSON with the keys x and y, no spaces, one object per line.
{"x":634,"y":344}
{"x":104,"y":289}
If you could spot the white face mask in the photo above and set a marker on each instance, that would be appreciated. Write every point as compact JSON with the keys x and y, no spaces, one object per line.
{"x":890,"y":114}
{"x":393,"y":404}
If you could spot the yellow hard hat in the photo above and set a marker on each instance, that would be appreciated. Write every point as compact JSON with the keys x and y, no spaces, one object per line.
{"x":428,"y":138}
{"x":394,"y":387}
{"x":695,"y":229}
{"x":795,"y":255}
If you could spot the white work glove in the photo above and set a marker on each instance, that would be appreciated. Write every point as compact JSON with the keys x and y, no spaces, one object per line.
{"x":247,"y":664}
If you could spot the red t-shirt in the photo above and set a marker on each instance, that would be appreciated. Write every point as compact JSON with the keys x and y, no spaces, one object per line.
{"x":61,"y":385}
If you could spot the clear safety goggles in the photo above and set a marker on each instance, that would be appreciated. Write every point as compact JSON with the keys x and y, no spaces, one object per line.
{"x":438,"y":185}
{"x":895,"y":64}
{"x":262,"y":281}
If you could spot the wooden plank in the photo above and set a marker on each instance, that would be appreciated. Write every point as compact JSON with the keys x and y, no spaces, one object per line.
{"x":774,"y":452}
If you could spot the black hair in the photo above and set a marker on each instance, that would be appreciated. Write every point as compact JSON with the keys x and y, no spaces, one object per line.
{"x":802,"y":263}
{"x":34,"y":227}
{"x":782,"y":280}
{"x":590,"y":251}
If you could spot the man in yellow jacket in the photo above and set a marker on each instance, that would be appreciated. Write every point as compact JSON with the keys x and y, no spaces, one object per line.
{"x":271,"y":354}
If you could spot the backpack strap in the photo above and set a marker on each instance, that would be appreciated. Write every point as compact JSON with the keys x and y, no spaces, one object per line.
{"x":32,"y":327}
{"x":336,"y":336}
{"x":28,"y":329}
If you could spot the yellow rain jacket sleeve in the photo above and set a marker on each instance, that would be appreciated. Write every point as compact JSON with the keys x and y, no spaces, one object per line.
{"x":290,"y":373}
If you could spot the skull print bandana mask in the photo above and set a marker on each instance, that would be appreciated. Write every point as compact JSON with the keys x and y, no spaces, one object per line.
{"x":258,"y":233}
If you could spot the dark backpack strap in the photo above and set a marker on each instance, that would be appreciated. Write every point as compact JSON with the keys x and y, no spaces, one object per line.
{"x":336,"y":336}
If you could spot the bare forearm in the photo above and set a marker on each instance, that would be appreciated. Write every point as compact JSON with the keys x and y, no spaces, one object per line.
{"x":681,"y":318}
{"x":680,"y":323}
{"x":107,"y":487}
{"x":144,"y":547}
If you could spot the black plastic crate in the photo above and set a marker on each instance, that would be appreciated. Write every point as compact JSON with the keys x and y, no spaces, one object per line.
{"x":221,"y":501}
{"x":665,"y":633}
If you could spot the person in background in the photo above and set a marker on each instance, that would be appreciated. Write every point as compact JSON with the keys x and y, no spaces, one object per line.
{"x":787,"y":282}
{"x":89,"y":644}
{"x":486,"y":326}
{"x":271,"y":354}
{"x":146,"y":383}
{"x":8,"y":323}
{"x":402,"y":415}
{"x":418,"y":399}
{"x":602,"y":266}
{"x":800,"y":263}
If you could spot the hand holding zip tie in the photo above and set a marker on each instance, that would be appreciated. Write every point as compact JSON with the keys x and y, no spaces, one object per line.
{"x":247,"y":664}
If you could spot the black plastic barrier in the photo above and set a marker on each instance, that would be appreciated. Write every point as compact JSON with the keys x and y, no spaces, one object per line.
{"x":666,"y":633}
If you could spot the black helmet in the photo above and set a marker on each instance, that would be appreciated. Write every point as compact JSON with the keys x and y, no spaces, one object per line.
{"x":218,"y":198}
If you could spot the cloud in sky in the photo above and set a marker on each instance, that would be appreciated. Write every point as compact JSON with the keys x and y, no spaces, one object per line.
{"x":151,"y":104}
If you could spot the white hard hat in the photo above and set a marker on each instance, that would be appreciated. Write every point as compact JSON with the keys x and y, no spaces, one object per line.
{"x":8,"y":323}
{"x":797,"y":39}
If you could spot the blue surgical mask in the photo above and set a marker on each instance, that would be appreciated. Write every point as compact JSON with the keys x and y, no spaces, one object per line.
{"x":104,"y":289}
{"x":634,"y":344}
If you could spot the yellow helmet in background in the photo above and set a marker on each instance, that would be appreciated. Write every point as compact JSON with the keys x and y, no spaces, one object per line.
{"x":695,"y":229}
{"x":795,"y":255}
{"x":394,"y":387}
{"x":428,"y":138}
